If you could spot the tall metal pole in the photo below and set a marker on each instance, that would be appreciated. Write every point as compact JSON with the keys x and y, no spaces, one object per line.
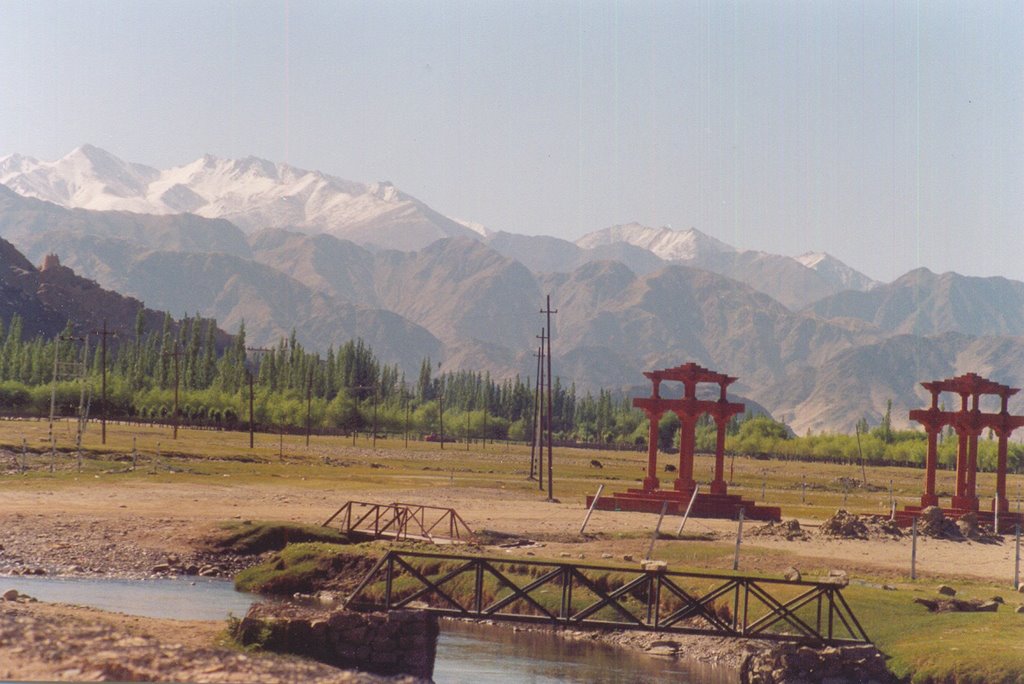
{"x":548,"y":311}
{"x":177,"y":353}
{"x":536,"y":414}
{"x":252,"y":424}
{"x":309,"y":403}
{"x":540,"y":414}
{"x":53,"y":387}
{"x":375,"y":416}
{"x":103,"y":384}
{"x":440,"y":409}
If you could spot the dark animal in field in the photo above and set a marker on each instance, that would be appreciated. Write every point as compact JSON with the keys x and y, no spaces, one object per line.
{"x":594,"y":463}
{"x":669,"y":468}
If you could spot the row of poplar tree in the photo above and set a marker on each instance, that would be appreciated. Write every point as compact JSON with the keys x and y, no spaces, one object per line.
{"x":346,"y":389}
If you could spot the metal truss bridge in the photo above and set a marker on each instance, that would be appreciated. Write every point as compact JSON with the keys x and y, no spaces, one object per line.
{"x":592,"y":596}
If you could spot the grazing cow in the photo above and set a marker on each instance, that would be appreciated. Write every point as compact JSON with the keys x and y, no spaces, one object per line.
{"x":594,"y":463}
{"x":669,"y":468}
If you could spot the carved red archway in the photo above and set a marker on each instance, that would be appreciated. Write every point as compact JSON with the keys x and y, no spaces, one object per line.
{"x":968,"y":422}
{"x":717,"y":503}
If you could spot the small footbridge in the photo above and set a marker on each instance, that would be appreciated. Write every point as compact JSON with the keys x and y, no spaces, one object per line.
{"x":592,"y":596}
{"x":401,"y":521}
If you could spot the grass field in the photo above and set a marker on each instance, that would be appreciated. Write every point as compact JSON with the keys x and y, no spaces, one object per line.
{"x":979,"y":647}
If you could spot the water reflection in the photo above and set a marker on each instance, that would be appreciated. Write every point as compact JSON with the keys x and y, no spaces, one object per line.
{"x":197,"y":598}
{"x":480,"y":654}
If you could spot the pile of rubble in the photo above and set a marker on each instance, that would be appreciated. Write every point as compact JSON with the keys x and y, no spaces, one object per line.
{"x":789,"y":530}
{"x":844,"y":525}
{"x":932,"y":523}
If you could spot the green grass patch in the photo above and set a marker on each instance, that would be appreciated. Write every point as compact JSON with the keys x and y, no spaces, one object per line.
{"x":249,"y":538}
{"x":305,"y":568}
{"x":942,"y":647}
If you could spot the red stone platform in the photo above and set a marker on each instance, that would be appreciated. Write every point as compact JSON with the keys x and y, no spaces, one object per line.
{"x":1007,"y":520}
{"x":705,"y":506}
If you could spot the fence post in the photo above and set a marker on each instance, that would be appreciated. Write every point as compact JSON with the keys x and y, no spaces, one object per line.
{"x":593,"y":504}
{"x":996,"y":513}
{"x":657,"y":528}
{"x":739,"y":538}
{"x":24,"y":455}
{"x":803,"y":491}
{"x":913,"y":550}
{"x":1016,"y":558}
{"x":135,"y":455}
{"x":693,"y":497}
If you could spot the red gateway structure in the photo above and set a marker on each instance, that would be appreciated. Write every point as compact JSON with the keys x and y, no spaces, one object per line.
{"x":969,"y":422}
{"x":714,"y":504}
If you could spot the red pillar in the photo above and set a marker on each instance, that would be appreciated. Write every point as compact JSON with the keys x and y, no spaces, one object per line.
{"x":651,"y":481}
{"x":960,"y":497}
{"x":718,"y":485}
{"x":687,"y":437}
{"x":930,"y":465}
{"x":1004,"y":505}
{"x":972,"y":470}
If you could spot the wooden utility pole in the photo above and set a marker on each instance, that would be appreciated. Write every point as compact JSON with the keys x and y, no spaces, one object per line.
{"x":536,"y":413}
{"x":103,"y":333}
{"x":548,"y":311}
{"x":541,"y":413}
{"x":252,"y":428}
{"x":309,"y":404}
{"x":250,"y":374}
{"x":375,"y":391}
{"x":440,"y":418}
{"x":407,"y":398}
{"x":175,"y":354}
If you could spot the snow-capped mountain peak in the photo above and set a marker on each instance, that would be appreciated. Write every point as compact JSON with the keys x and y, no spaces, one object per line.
{"x":836,"y":272}
{"x":252,"y":192}
{"x":664,"y":242}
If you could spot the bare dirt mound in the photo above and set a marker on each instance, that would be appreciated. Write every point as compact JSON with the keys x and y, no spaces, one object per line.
{"x":789,"y":530}
{"x":844,"y":525}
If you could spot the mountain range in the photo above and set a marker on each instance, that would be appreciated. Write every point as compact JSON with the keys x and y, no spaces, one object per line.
{"x":817,"y":343}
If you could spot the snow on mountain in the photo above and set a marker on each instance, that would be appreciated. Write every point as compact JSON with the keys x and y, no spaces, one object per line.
{"x":669,"y":244}
{"x":836,"y":272}
{"x":253,"y":193}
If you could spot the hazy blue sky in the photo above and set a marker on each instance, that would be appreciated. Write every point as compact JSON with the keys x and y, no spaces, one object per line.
{"x":890,"y":134}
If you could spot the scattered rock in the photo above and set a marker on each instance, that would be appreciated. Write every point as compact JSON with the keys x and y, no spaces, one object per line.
{"x":608,"y":555}
{"x":968,"y":524}
{"x":845,"y":525}
{"x":653,"y":565}
{"x":789,"y":530}
{"x":1019,"y":609}
{"x":792,"y":574}
{"x":160,"y":568}
{"x":946,"y":590}
{"x":953,"y":605}
{"x":11,"y":595}
{"x":628,"y":558}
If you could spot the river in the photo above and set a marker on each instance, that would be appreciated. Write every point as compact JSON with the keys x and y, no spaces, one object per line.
{"x":466,"y":652}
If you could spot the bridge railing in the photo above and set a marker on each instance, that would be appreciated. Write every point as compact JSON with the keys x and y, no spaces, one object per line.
{"x":580,"y":595}
{"x":401,"y":521}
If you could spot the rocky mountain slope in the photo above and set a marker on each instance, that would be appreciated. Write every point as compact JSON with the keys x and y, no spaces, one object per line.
{"x":49,"y":296}
{"x":630,"y":298}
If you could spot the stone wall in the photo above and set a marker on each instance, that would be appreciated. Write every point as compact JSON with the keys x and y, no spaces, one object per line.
{"x":400,"y":642}
{"x":786,"y":662}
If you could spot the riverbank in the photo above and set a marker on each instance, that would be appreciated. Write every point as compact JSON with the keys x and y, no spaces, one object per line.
{"x":57,"y":642}
{"x":107,"y":521}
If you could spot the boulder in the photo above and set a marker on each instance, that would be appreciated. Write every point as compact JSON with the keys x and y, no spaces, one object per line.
{"x":946,"y":590}
{"x":792,"y":574}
